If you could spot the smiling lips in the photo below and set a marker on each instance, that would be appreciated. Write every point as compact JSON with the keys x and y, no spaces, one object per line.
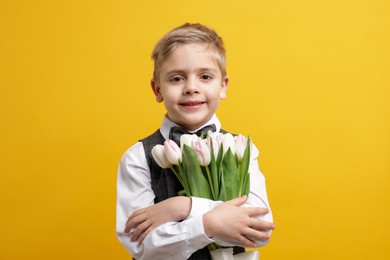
{"x":192,"y":105}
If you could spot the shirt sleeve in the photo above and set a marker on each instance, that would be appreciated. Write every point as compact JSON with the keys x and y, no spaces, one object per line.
{"x":173,"y":240}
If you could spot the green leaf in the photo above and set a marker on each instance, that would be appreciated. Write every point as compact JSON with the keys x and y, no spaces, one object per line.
{"x":244,"y":168}
{"x":214,"y":174}
{"x":231,"y":175}
{"x":222,"y":190}
{"x":244,"y":164}
{"x":246,"y":185}
{"x":197,"y":182}
{"x":219,"y":170}
{"x":182,"y":193}
{"x":184,"y":178}
{"x":219,"y":156}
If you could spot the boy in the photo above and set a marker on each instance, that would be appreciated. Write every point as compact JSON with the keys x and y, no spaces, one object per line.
{"x":153,"y":222}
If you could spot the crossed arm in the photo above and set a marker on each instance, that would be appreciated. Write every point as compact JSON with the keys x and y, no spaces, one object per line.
{"x":181,"y":224}
{"x":243,"y":229}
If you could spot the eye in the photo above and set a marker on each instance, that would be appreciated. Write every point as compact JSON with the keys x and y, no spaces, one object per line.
{"x":176,"y":79}
{"x":206,"y":77}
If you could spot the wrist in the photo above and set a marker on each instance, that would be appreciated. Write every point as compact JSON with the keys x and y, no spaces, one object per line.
{"x":186,"y":205}
{"x":208,"y":224}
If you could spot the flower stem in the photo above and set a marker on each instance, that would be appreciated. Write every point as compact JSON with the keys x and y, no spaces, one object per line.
{"x":210,"y":181}
{"x":182,"y":182}
{"x":213,"y":246}
{"x":177,"y":175}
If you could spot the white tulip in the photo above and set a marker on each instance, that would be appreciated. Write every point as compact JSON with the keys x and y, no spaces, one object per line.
{"x":172,"y":152}
{"x":240,"y":143}
{"x":158,"y":153}
{"x":228,"y":142}
{"x":187,"y":139}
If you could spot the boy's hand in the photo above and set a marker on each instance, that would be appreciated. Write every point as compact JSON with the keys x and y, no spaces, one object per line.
{"x":235,"y":223}
{"x":147,"y":219}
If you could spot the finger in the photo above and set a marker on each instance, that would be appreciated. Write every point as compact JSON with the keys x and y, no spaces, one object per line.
{"x":143,"y":236}
{"x":257,"y":235}
{"x":127,"y":229}
{"x":262,"y":225}
{"x":238,"y":201}
{"x":140,"y":230}
{"x":134,"y":222}
{"x":246,"y":242}
{"x":135,"y":214}
{"x":254,"y":211}
{"x":129,"y":226}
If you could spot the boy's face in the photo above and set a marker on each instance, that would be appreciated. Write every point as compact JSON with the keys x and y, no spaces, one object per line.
{"x":190,"y":85}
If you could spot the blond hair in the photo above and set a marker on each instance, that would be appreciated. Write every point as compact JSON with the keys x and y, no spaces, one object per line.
{"x":185,"y":34}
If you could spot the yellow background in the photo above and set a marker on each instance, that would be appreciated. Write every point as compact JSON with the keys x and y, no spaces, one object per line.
{"x":309,"y":82}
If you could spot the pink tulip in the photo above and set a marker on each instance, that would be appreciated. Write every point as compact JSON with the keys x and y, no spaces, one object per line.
{"x":214,"y":139}
{"x":158,"y":153}
{"x":203,"y":152}
{"x":172,"y":152}
{"x":240,"y":144}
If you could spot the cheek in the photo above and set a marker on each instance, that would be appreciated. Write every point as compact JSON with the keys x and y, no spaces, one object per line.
{"x":171,"y":98}
{"x":170,"y":95}
{"x":216,"y":99}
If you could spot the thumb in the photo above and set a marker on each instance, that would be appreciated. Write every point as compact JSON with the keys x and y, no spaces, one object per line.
{"x":237,"y":201}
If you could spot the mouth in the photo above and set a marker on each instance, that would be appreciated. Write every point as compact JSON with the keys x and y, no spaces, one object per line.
{"x":192,"y":104}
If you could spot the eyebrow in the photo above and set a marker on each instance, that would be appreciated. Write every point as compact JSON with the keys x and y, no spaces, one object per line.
{"x":179,"y":71}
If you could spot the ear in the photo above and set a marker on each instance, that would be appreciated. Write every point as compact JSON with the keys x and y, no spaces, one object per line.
{"x":156,"y":90}
{"x":224,"y":86}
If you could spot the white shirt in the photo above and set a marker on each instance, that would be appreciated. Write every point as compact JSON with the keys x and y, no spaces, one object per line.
{"x":173,"y":240}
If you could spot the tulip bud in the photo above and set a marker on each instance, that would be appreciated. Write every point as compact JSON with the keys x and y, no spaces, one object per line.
{"x":172,"y":152}
{"x":158,"y":153}
{"x":240,"y":143}
{"x":228,"y":142}
{"x":203,"y":152}
{"x":187,"y":139}
{"x":214,"y":139}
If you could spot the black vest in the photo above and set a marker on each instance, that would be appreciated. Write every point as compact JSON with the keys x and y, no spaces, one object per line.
{"x":165,"y":185}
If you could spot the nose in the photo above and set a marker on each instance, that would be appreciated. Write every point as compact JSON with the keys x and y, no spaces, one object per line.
{"x":191,"y":87}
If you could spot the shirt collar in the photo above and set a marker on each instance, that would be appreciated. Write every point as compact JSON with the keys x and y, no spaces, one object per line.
{"x":167,"y":124}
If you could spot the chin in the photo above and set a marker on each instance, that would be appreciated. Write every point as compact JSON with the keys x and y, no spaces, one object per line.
{"x":194,"y":120}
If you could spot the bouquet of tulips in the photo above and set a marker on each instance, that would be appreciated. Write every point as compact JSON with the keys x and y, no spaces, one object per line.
{"x":212,"y":167}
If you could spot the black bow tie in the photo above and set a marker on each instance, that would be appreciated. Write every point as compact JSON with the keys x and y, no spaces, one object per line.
{"x":176,"y":132}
